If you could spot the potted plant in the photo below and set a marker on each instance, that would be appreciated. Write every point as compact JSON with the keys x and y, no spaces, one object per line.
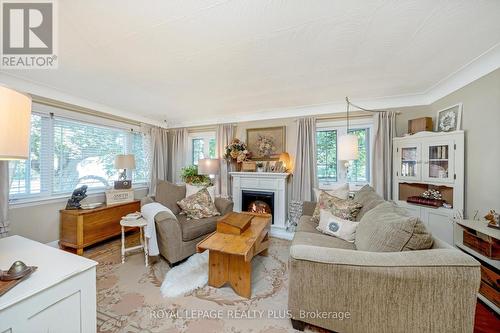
{"x":260,"y":166}
{"x":189,"y":175}
{"x":236,"y":152}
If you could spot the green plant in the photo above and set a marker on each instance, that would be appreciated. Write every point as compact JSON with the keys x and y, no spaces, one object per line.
{"x":190,"y":175}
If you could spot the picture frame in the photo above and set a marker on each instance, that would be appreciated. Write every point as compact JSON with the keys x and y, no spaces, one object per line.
{"x":449,"y":119}
{"x":267,"y":143}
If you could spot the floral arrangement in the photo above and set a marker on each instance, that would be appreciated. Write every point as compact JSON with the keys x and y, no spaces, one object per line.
{"x":266,"y":146}
{"x":236,"y":151}
{"x":432,"y":194}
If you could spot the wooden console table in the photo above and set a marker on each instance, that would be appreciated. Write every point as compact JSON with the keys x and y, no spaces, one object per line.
{"x":84,"y":227}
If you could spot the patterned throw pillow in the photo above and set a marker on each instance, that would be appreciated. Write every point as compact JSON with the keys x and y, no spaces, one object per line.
{"x":346,"y":209}
{"x":198,"y":206}
{"x":335,"y":226}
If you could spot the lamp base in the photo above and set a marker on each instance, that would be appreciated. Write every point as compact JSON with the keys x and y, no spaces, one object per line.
{"x":123,"y":184}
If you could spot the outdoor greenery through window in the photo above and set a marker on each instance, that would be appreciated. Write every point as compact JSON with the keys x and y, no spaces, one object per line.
{"x":66,"y":154}
{"x":326,"y":145}
{"x":329,"y":167}
{"x":359,"y":170}
{"x":202,"y":147}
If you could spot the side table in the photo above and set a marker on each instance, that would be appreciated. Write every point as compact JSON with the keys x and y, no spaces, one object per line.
{"x":141,"y":224}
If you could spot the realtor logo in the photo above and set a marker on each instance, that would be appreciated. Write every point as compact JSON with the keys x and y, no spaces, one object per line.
{"x":28,"y":34}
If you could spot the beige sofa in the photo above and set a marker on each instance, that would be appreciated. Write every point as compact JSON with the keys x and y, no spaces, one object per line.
{"x":334,"y":286}
{"x":177,"y":237}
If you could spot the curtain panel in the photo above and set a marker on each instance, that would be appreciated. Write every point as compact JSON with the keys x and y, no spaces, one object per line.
{"x":384,"y":126}
{"x":224,"y":136}
{"x":304,"y":175}
{"x":178,"y":153}
{"x":159,"y":167}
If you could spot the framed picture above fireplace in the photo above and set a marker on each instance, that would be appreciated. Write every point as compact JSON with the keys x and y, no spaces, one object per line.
{"x":266,"y":144}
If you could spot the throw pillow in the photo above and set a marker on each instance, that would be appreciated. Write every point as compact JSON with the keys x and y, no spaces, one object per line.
{"x":198,"y":206}
{"x":387,"y":228}
{"x":334,"y":226}
{"x":168,"y":194}
{"x":346,"y":209}
{"x":192,"y":189}
{"x":340,"y":191}
{"x":367,"y":197}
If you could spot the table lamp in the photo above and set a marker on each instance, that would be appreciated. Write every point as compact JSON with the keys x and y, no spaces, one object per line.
{"x":15,"y":124}
{"x":208,"y":166}
{"x":124,"y":162}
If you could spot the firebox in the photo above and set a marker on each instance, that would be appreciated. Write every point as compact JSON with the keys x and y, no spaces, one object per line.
{"x":257,"y":202}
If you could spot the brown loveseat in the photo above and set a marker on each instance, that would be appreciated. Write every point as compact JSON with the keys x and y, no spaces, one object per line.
{"x":177,"y":236}
{"x":334,"y":286}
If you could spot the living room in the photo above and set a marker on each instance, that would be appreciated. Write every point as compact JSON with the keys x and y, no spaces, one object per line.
{"x":249,"y":166}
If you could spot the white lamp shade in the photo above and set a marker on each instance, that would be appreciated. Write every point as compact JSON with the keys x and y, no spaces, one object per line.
{"x":15,"y":125}
{"x":208,"y":166}
{"x":348,"y":147}
{"x":125,"y":161}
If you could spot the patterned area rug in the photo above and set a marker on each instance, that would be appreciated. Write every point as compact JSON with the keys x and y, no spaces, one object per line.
{"x":129,"y":298}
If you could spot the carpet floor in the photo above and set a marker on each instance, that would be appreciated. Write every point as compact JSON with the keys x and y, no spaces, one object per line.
{"x":129,"y":299}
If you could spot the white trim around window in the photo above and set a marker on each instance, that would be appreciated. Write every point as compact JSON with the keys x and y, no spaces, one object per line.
{"x":203,"y":136}
{"x":341,"y":128}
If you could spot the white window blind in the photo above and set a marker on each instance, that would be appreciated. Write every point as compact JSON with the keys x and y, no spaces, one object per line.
{"x":84,"y":155}
{"x":66,"y":154}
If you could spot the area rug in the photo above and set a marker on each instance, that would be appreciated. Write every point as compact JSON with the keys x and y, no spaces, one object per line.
{"x":129,"y":297}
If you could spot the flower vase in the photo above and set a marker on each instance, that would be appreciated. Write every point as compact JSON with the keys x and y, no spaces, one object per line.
{"x":238,"y":166}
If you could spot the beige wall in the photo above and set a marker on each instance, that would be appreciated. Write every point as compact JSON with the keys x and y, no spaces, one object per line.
{"x":481,"y":122}
{"x":41,"y":222}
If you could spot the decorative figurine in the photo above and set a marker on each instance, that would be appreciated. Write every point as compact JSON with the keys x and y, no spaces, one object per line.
{"x":493,"y":218}
{"x":78,"y":195}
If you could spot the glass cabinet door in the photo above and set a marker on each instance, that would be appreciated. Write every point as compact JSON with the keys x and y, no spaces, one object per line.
{"x":409,"y":166}
{"x":439,"y":162}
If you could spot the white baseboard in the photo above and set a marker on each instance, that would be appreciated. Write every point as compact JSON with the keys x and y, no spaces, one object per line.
{"x":53,"y":244}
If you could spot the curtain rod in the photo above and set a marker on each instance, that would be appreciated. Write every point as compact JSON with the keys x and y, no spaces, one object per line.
{"x":80,"y":109}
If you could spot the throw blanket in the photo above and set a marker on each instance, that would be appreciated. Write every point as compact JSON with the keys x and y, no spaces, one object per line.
{"x":149,"y":212}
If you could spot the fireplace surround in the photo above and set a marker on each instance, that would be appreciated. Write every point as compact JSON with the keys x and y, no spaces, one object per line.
{"x":264,"y":182}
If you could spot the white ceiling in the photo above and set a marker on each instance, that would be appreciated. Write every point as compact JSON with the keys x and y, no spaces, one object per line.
{"x":193,"y":62}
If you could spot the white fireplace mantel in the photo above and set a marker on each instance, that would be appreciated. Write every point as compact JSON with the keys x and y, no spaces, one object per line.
{"x":267,"y":182}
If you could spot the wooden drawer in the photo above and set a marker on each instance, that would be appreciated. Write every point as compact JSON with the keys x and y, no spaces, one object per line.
{"x":491,"y":277}
{"x":484,"y":244}
{"x":490,"y":293}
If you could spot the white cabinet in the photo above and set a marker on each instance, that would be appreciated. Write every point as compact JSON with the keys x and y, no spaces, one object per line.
{"x":430,"y":160}
{"x":60,"y":296}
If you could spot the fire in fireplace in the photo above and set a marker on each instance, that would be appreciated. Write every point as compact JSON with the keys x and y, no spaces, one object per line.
{"x":257,"y":202}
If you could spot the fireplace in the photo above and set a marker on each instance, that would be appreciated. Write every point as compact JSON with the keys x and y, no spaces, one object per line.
{"x":257,"y":202}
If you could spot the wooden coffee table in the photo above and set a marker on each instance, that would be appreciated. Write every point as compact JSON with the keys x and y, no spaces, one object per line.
{"x":230,"y":256}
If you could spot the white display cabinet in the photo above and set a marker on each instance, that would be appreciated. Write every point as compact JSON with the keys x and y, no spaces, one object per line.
{"x":431,"y":160}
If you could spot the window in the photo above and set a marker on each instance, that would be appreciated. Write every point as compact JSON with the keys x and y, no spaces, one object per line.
{"x":359,"y":170}
{"x":66,"y":154}
{"x":326,"y":143}
{"x":202,"y":146}
{"x":329,"y":168}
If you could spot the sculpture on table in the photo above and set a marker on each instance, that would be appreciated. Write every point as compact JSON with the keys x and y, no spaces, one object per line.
{"x":78,"y":195}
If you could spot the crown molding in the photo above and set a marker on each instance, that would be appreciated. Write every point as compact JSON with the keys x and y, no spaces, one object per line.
{"x":482,"y":65}
{"x":50,"y":93}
